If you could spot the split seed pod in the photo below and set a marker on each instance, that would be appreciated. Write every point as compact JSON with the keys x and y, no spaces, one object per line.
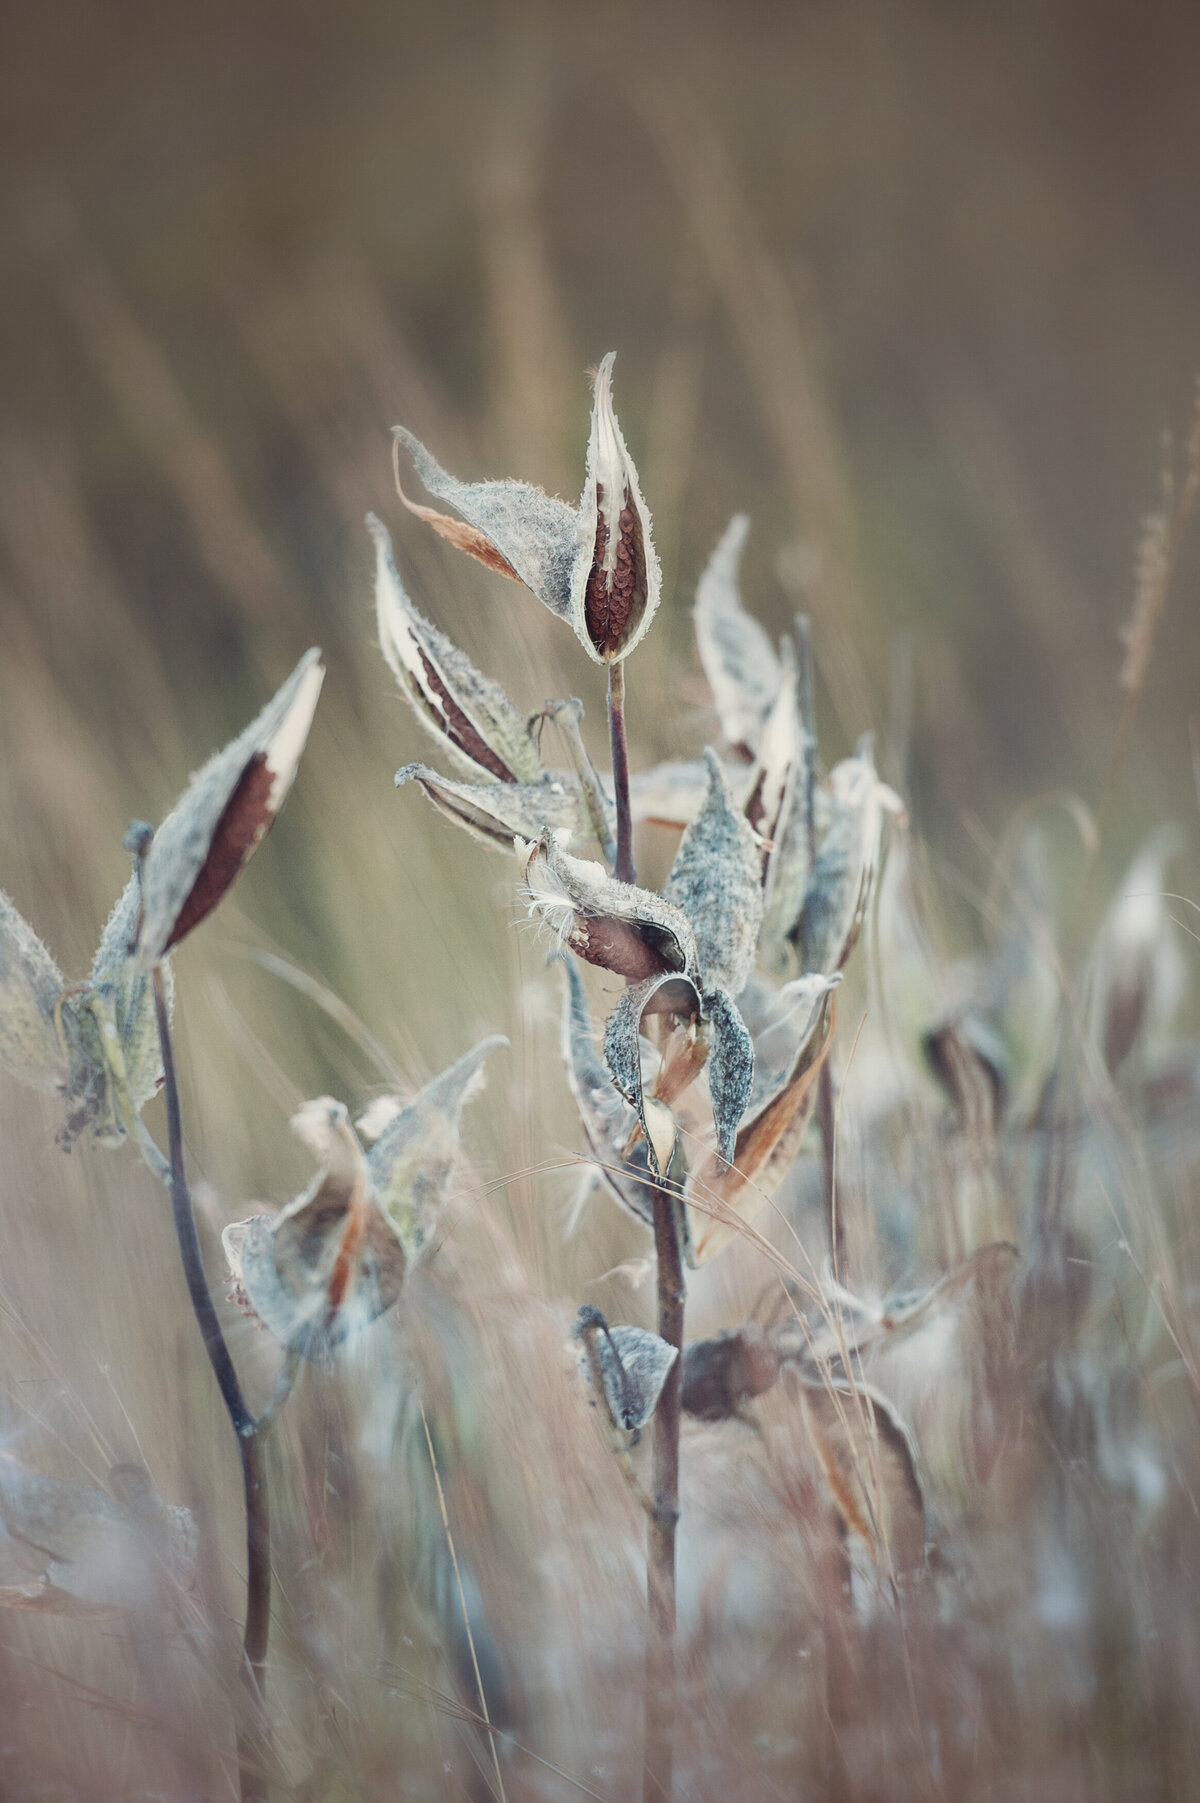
{"x":738,"y":658}
{"x":847,"y":862}
{"x":632,"y":1366}
{"x":228,"y":806}
{"x":594,"y":567}
{"x":332,"y":1261}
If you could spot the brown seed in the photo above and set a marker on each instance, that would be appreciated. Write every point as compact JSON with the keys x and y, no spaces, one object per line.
{"x":460,"y":729}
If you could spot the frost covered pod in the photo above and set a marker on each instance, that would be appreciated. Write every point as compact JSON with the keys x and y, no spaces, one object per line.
{"x":627,"y":1365}
{"x":498,"y":813}
{"x":465,"y":711}
{"x":737,"y":656}
{"x":67,"y":1549}
{"x":593,"y":566}
{"x":847,"y":862}
{"x":770,"y":1134}
{"x":202,"y":845}
{"x":615,"y":925}
{"x":94,"y":1043}
{"x":332,"y":1261}
{"x":715,"y":882}
{"x":31,"y":986}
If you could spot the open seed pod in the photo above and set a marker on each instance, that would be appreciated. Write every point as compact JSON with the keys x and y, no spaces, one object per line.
{"x":332,"y":1261}
{"x":628,"y":1365}
{"x":498,"y":813}
{"x":207,"y":838}
{"x":847,"y":863}
{"x":594,"y":567}
{"x":737,"y":656}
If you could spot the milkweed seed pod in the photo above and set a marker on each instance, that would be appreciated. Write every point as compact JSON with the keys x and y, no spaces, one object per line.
{"x":594,"y":566}
{"x":93,"y":1043}
{"x":628,"y":1365}
{"x":209,"y":836}
{"x":68,"y":1549}
{"x":736,"y":654}
{"x":847,"y":863}
{"x":331,"y":1262}
{"x":684,"y":952}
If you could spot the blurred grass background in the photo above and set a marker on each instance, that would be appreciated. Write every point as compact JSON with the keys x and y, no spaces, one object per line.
{"x":915,"y":286}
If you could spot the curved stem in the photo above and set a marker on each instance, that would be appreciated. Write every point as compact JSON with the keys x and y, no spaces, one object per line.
{"x":659,"y":1748}
{"x":250,"y":1730}
{"x":623,"y":869}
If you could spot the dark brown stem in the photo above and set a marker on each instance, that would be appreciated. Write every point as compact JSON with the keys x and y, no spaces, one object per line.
{"x":250,"y":1733}
{"x":623,"y":870}
{"x":659,"y":1750}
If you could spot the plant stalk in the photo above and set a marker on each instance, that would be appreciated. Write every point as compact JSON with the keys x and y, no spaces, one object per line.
{"x":623,"y":869}
{"x":252,"y":1779}
{"x":659,"y":1749}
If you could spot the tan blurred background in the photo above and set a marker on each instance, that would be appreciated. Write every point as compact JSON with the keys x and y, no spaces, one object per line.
{"x":918,"y":287}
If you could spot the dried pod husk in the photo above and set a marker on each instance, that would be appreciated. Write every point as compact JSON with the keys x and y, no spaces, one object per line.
{"x":737,"y":656}
{"x":229,"y":805}
{"x":868,"y":1457}
{"x":602,"y":814}
{"x":514,"y":528}
{"x":31,"y":986}
{"x":715,"y":882}
{"x":659,"y":1007}
{"x":465,"y":711}
{"x":332,"y":1261}
{"x":416,"y":1145}
{"x":969,"y":1060}
{"x":847,"y":863}
{"x":1137,"y":972}
{"x":780,"y":757}
{"x":68,"y":1549}
{"x":632,"y":1366}
{"x":723,"y":1375}
{"x":615,"y":925}
{"x":770,"y":1134}
{"x":129,"y":992}
{"x":616,"y":581}
{"x":498,"y":813}
{"x":609,"y":1121}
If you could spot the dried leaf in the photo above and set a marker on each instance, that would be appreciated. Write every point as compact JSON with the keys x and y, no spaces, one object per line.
{"x":738,"y":657}
{"x":229,"y":805}
{"x":615,"y":581}
{"x":331,"y":1262}
{"x":415,"y":1151}
{"x":716,"y":882}
{"x":31,"y":985}
{"x":633,"y":1364}
{"x":464,"y":710}
{"x":531,"y":533}
{"x":622,"y":928}
{"x":498,"y":813}
{"x":847,"y":863}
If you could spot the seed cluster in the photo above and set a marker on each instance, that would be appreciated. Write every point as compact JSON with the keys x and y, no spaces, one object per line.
{"x":459,"y":728}
{"x":612,"y":601}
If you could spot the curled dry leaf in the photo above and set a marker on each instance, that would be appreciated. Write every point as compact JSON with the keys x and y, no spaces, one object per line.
{"x":332,"y":1261}
{"x":631,"y":1364}
{"x":67,"y":1549}
{"x":770,"y":1133}
{"x":594,"y":567}
{"x":208,"y":837}
{"x":847,"y":863}
{"x":738,"y":657}
{"x":498,"y":813}
{"x":465,"y":711}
